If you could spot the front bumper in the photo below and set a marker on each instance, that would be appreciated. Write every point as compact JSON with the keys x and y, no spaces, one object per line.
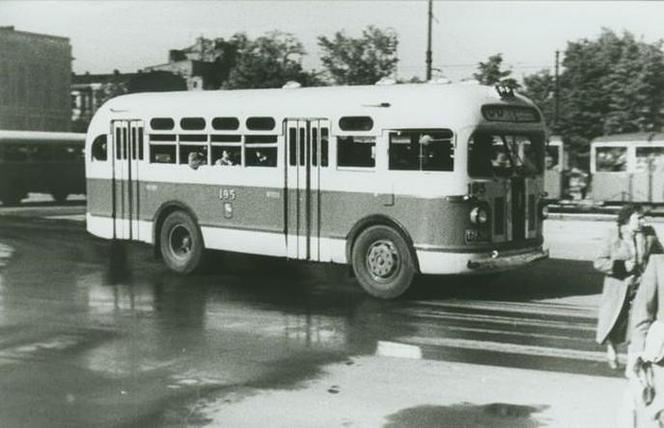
{"x":497,"y":261}
{"x":442,"y":262}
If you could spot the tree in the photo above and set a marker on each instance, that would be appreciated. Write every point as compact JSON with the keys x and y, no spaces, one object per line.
{"x":490,"y":73}
{"x":270,"y":61}
{"x":360,"y":61}
{"x":540,"y":88}
{"x":614,"y":84}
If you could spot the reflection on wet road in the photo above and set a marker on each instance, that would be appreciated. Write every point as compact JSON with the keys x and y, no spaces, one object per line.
{"x":98,"y":335}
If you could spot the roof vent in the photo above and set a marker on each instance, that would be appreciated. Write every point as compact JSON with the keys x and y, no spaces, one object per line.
{"x":505,"y":91}
{"x":292,"y":84}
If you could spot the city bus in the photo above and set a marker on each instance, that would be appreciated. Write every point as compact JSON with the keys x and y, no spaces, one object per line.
{"x":394,"y":180}
{"x":41,"y":162}
{"x":628,"y":168}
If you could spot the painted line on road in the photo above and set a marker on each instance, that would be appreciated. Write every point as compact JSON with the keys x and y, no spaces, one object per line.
{"x":398,"y":350}
{"x":526,"y":308}
{"x":529,"y":335}
{"x":499,"y":319}
{"x":508,"y":348}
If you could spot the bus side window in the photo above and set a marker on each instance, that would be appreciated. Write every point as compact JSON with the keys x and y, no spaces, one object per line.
{"x":415,"y":150}
{"x":99,"y":148}
{"x":261,"y":156}
{"x":356,"y":151}
{"x":611,"y":159}
{"x":162,"y":153}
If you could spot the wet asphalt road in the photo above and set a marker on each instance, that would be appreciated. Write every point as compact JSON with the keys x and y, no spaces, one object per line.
{"x":95,"y":334}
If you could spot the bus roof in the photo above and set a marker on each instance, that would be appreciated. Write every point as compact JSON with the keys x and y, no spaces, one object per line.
{"x":429,"y":100}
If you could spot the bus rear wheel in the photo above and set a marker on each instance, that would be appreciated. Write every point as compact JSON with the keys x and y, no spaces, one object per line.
{"x":382,"y":262}
{"x":59,"y":196}
{"x":181,"y":243}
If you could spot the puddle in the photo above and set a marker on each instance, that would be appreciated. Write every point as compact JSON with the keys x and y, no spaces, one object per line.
{"x":494,"y":415}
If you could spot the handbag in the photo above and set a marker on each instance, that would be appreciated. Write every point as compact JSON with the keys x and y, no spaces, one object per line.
{"x":653,"y":353}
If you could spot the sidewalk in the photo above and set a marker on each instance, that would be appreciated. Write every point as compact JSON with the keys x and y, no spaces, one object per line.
{"x":401,"y":392}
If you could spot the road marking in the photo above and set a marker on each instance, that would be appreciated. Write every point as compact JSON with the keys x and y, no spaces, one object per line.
{"x":398,"y":350}
{"x":525,"y":308}
{"x":501,"y":319}
{"x":507,"y":348}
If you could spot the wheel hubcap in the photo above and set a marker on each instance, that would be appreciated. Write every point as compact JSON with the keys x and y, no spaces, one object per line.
{"x":180,"y":242}
{"x":382,"y":259}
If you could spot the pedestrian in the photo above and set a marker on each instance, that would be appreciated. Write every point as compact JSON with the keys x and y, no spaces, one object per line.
{"x":622,"y":259}
{"x":645,"y":357}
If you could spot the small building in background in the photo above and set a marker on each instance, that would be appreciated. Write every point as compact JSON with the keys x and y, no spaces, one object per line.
{"x":35,"y":78}
{"x":195,"y":64}
{"x":90,"y":91}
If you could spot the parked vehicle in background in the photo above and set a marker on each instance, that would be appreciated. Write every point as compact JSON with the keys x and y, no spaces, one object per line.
{"x":41,"y":162}
{"x":628,"y":168}
{"x":554,"y":169}
{"x":392,"y":179}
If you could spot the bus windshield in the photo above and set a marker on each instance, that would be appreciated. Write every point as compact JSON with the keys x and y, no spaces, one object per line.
{"x":504,"y":155}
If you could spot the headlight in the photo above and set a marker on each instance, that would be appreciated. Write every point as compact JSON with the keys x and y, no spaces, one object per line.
{"x":479,"y":215}
{"x":544,"y":210}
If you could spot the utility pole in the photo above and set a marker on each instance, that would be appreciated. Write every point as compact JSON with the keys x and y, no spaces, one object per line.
{"x":430,"y":17}
{"x":556,"y":99}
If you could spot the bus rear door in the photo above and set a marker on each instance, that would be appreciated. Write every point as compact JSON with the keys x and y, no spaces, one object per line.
{"x":306,"y":153}
{"x":127,"y":153}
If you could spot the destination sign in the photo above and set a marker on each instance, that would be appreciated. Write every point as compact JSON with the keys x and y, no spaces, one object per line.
{"x":506,"y":113}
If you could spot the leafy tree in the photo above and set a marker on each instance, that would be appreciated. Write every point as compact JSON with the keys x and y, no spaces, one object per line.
{"x":490,"y":73}
{"x":540,"y":88}
{"x":270,"y":61}
{"x":614,"y":84}
{"x":360,"y":61}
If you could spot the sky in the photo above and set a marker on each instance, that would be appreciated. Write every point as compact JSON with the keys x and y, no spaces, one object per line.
{"x":129,"y":35}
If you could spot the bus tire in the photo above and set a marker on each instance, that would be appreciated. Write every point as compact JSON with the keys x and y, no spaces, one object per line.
{"x":59,"y":195}
{"x":181,"y":243}
{"x":382,"y":262}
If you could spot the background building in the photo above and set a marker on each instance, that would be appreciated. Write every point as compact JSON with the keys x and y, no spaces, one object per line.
{"x":90,"y":91}
{"x":35,"y":77}
{"x":195,"y":64}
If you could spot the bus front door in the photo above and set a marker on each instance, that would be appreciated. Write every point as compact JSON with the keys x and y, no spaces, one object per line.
{"x":127,"y":153}
{"x":306,"y":154}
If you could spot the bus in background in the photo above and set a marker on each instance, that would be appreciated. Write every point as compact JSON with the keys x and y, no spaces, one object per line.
{"x":392,"y":179}
{"x":41,"y":162}
{"x":628,"y":168}
{"x":554,"y":161}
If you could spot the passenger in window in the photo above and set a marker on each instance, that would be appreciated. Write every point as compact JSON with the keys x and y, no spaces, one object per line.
{"x":196,"y":159}
{"x":426,"y":152}
{"x":225,"y":159}
{"x":261,"y":158}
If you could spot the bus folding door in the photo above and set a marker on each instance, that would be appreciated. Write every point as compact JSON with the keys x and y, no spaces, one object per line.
{"x":306,"y":153}
{"x":128,"y":151}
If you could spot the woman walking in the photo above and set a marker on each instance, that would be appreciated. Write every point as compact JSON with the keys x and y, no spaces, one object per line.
{"x":622,"y":259}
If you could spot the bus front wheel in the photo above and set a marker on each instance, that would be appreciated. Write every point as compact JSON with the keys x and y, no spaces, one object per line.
{"x":181,"y":243}
{"x":382,"y":262}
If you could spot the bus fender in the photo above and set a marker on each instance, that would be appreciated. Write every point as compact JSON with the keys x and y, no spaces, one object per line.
{"x":160,"y":215}
{"x":374,"y":220}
